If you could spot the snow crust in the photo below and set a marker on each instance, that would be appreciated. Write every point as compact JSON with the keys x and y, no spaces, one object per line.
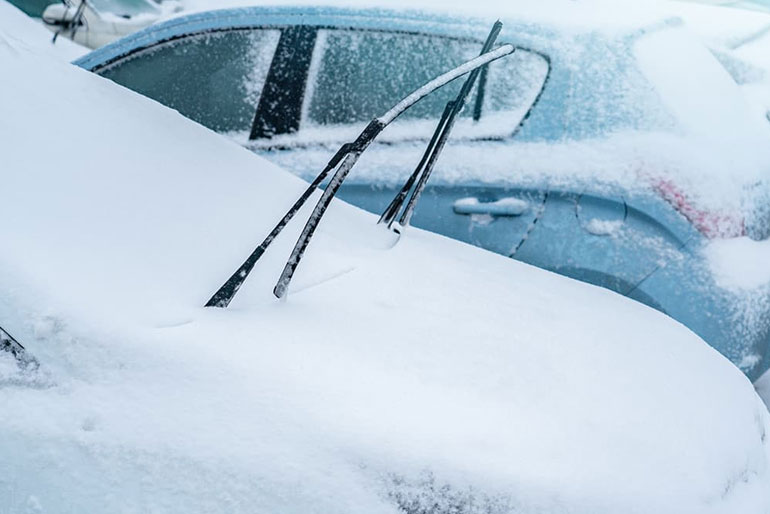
{"x":396,"y":376}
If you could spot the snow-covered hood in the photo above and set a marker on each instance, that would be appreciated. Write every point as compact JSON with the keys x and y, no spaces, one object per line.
{"x":410,"y":374}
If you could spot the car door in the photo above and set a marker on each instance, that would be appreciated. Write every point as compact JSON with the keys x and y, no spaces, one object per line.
{"x":607,"y":237}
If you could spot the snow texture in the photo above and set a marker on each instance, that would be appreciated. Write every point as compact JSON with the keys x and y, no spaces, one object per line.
{"x":740,"y":264}
{"x":763,"y":388}
{"x":425,"y":376}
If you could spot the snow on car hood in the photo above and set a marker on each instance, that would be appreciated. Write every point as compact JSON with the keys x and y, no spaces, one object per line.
{"x":413,"y":373}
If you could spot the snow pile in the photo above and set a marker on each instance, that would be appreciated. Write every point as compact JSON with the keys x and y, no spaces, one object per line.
{"x":17,"y":26}
{"x":740,"y":264}
{"x":394,"y":377}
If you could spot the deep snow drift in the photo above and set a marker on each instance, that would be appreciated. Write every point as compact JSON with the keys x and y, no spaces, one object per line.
{"x":398,"y":374}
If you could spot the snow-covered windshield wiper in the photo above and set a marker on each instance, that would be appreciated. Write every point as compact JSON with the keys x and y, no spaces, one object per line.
{"x":344,"y":160}
{"x":419,"y":178}
{"x":12,"y":346}
{"x":68,"y":23}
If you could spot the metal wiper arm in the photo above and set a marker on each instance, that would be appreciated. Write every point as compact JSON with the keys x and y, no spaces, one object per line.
{"x":344,"y":160}
{"x":428,"y":161}
{"x":471,"y":67}
{"x":11,"y":345}
{"x":395,"y":205}
{"x":226,"y":293}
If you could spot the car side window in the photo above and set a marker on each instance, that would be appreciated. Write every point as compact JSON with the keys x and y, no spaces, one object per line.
{"x":214,"y":78}
{"x":356,"y":75}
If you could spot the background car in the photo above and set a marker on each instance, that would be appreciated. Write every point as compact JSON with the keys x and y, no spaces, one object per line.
{"x":411,"y":375}
{"x":740,"y":39}
{"x":588,"y":153}
{"x":94,"y":23}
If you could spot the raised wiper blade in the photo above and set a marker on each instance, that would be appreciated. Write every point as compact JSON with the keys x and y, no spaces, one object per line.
{"x":350,"y":160}
{"x":419,"y":178}
{"x":344,"y":160}
{"x":226,"y":293}
{"x":12,"y":346}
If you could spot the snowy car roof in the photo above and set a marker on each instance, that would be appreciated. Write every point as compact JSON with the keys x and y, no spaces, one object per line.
{"x":585,"y":15}
{"x":398,"y":373}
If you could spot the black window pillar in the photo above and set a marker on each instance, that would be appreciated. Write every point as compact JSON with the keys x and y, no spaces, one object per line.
{"x":280,"y":106}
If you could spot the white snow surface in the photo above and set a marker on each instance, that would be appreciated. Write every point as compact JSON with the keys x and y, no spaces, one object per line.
{"x":741,"y":263}
{"x":29,"y":32}
{"x":763,"y":388}
{"x":411,"y":371}
{"x":606,"y":15}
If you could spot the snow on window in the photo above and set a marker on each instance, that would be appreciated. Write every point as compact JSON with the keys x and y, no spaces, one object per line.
{"x":215,"y":78}
{"x":357,"y":75}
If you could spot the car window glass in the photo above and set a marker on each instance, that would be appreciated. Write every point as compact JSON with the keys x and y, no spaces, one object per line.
{"x":214,"y":78}
{"x":357,"y":75}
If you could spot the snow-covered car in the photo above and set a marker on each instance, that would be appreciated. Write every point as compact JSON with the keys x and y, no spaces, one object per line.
{"x":740,"y":39}
{"x":94,"y":23}
{"x":617,"y":155}
{"x":401,"y":375}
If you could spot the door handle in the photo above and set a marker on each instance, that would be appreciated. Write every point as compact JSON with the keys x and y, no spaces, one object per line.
{"x":501,"y":207}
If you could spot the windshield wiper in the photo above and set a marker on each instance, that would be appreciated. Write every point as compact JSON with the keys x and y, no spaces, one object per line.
{"x":73,"y":24}
{"x":344,"y":160}
{"x":11,"y":345}
{"x":437,"y":142}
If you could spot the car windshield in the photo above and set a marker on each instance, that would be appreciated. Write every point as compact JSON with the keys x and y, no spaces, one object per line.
{"x":125,"y":7}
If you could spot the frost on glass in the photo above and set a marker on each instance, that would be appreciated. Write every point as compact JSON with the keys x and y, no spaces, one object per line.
{"x":214,"y":78}
{"x":357,"y":75}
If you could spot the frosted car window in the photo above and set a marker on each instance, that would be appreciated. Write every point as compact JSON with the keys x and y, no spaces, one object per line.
{"x":215,"y":78}
{"x":356,"y":75}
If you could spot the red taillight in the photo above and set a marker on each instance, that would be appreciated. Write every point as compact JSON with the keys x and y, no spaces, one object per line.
{"x":711,"y":224}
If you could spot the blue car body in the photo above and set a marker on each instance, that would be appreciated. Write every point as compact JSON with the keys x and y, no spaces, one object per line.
{"x":637,"y":241}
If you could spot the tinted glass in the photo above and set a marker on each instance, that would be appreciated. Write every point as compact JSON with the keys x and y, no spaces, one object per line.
{"x":215,"y":78}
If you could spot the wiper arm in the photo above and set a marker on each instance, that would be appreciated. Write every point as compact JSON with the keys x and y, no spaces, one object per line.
{"x":344,"y":160}
{"x":73,"y":24}
{"x":226,"y":293}
{"x":428,"y":161}
{"x":11,"y":345}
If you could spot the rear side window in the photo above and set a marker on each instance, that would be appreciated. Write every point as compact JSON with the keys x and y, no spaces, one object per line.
{"x":215,"y":78}
{"x":357,"y":75}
